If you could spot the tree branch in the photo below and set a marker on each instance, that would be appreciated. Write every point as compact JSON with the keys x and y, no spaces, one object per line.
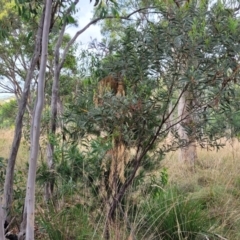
{"x":91,"y":23}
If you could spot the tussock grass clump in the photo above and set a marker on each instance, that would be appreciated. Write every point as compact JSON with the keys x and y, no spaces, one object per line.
{"x":193,"y":205}
{"x":70,"y":222}
{"x":172,"y":215}
{"x":215,"y":184}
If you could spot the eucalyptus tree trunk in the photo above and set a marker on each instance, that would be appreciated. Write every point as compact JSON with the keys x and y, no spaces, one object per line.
{"x":8,"y":184}
{"x":58,"y":64}
{"x":49,"y":186}
{"x":188,"y":152}
{"x":53,"y":122}
{"x":29,"y":208}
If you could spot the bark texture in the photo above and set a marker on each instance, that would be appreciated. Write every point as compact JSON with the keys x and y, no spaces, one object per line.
{"x":30,"y":196}
{"x":8,"y":184}
{"x":35,"y":130}
{"x":187,"y":153}
{"x":49,"y":186}
{"x":53,"y":113}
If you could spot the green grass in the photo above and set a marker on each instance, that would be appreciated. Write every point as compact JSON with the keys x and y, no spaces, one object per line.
{"x":193,"y":205}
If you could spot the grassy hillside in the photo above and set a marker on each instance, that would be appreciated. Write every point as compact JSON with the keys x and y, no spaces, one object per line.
{"x":214,"y":186}
{"x":5,"y":146}
{"x":216,"y":183}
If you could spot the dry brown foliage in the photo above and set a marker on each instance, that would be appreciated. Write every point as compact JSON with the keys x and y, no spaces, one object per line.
{"x":109,"y":84}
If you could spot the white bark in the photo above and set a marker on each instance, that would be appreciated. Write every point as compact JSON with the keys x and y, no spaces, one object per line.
{"x":8,"y":184}
{"x":49,"y":186}
{"x":53,"y":111}
{"x":35,"y":128}
{"x":170,"y":122}
{"x":58,"y":64}
{"x":188,"y":153}
{"x":94,"y":21}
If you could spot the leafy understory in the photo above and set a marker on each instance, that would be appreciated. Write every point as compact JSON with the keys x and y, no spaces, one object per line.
{"x":133,"y":137}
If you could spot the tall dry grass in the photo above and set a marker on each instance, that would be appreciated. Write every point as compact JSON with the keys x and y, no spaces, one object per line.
{"x":215,"y":182}
{"x":6,"y":137}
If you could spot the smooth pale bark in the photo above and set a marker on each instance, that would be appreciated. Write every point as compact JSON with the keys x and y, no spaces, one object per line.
{"x":53,"y":123}
{"x":8,"y":184}
{"x":188,"y":153}
{"x":58,"y":64}
{"x":35,"y":128}
{"x":49,"y":186}
{"x":170,"y":122}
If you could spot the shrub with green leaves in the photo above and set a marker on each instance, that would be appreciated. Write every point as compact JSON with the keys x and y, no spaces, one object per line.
{"x":8,"y":112}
